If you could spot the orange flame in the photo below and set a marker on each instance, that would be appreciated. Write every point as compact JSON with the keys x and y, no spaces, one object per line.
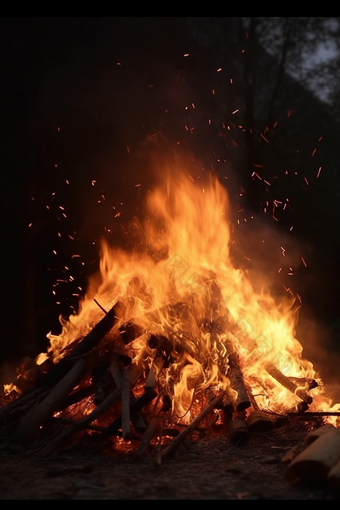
{"x":183,"y":256}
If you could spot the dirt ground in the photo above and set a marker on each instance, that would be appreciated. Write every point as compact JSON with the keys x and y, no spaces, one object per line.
{"x":208,"y":468}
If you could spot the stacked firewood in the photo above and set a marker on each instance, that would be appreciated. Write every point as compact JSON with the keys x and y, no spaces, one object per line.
{"x":100,"y":388}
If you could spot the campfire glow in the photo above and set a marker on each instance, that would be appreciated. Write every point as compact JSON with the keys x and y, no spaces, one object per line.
{"x":183,"y":256}
{"x":192,"y":325}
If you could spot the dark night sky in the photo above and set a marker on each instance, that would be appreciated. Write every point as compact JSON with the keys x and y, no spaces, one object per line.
{"x":63,"y":72}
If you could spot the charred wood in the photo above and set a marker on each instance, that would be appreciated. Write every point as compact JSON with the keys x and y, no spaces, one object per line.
{"x":314,"y":414}
{"x":101,"y":378}
{"x":175,"y":443}
{"x":30,"y":426}
{"x":148,"y":435}
{"x":235,"y":426}
{"x":126,"y":393}
{"x":161,"y":358}
{"x":133,"y":328}
{"x":98,"y":332}
{"x":134,"y":407}
{"x":259,"y":421}
{"x":82,"y":424}
{"x":152,"y":427}
{"x":117,"y":369}
{"x":288,"y":384}
{"x":77,"y":396}
{"x":305,"y":383}
{"x":237,"y":383}
{"x":18,"y":408}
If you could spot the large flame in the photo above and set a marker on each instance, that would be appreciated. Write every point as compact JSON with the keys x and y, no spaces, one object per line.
{"x":182,"y":258}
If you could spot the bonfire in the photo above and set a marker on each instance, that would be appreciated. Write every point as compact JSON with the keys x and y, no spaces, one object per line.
{"x":171,"y":339}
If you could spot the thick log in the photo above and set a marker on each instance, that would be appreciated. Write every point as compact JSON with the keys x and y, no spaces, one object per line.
{"x":161,"y":358}
{"x":85,"y":346}
{"x":288,"y":384}
{"x":292,"y":454}
{"x":19,"y":406}
{"x":155,"y":368}
{"x":306,"y":383}
{"x":258,"y":421}
{"x":82,"y":424}
{"x":147,"y":436}
{"x":134,"y":407}
{"x":317,"y":459}
{"x":170,"y":449}
{"x":116,"y":370}
{"x":312,"y":435}
{"x":15,"y":410}
{"x":99,"y":330}
{"x":77,"y":396}
{"x":96,"y":413}
{"x":30,"y":426}
{"x":101,"y":378}
{"x":126,"y":393}
{"x":235,"y":426}
{"x":237,"y":383}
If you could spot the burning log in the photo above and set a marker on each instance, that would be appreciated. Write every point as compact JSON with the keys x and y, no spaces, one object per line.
{"x":288,"y":384}
{"x":170,"y":449}
{"x":152,"y":426}
{"x":117,"y":369}
{"x":134,"y":407}
{"x":101,"y":379}
{"x":93,"y":338}
{"x":58,"y":370}
{"x":148,"y":435}
{"x":235,"y":425}
{"x":77,"y":396}
{"x":258,"y":421}
{"x":19,"y":407}
{"x":30,"y":426}
{"x":126,"y":392}
{"x":96,"y":413}
{"x":161,"y":358}
{"x":333,"y":478}
{"x":237,"y":383}
{"x":133,"y":329}
{"x":306,"y":383}
{"x":82,"y":424}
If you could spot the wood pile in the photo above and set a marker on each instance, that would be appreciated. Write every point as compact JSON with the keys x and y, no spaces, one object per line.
{"x":101,"y":391}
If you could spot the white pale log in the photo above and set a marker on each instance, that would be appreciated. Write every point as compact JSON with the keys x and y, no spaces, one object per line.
{"x":314,"y":434}
{"x":317,"y":459}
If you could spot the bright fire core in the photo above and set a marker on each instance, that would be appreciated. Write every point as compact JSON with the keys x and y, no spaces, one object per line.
{"x":183,"y":260}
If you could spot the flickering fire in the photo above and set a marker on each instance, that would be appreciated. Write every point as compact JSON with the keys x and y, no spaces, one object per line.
{"x":182,"y":272}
